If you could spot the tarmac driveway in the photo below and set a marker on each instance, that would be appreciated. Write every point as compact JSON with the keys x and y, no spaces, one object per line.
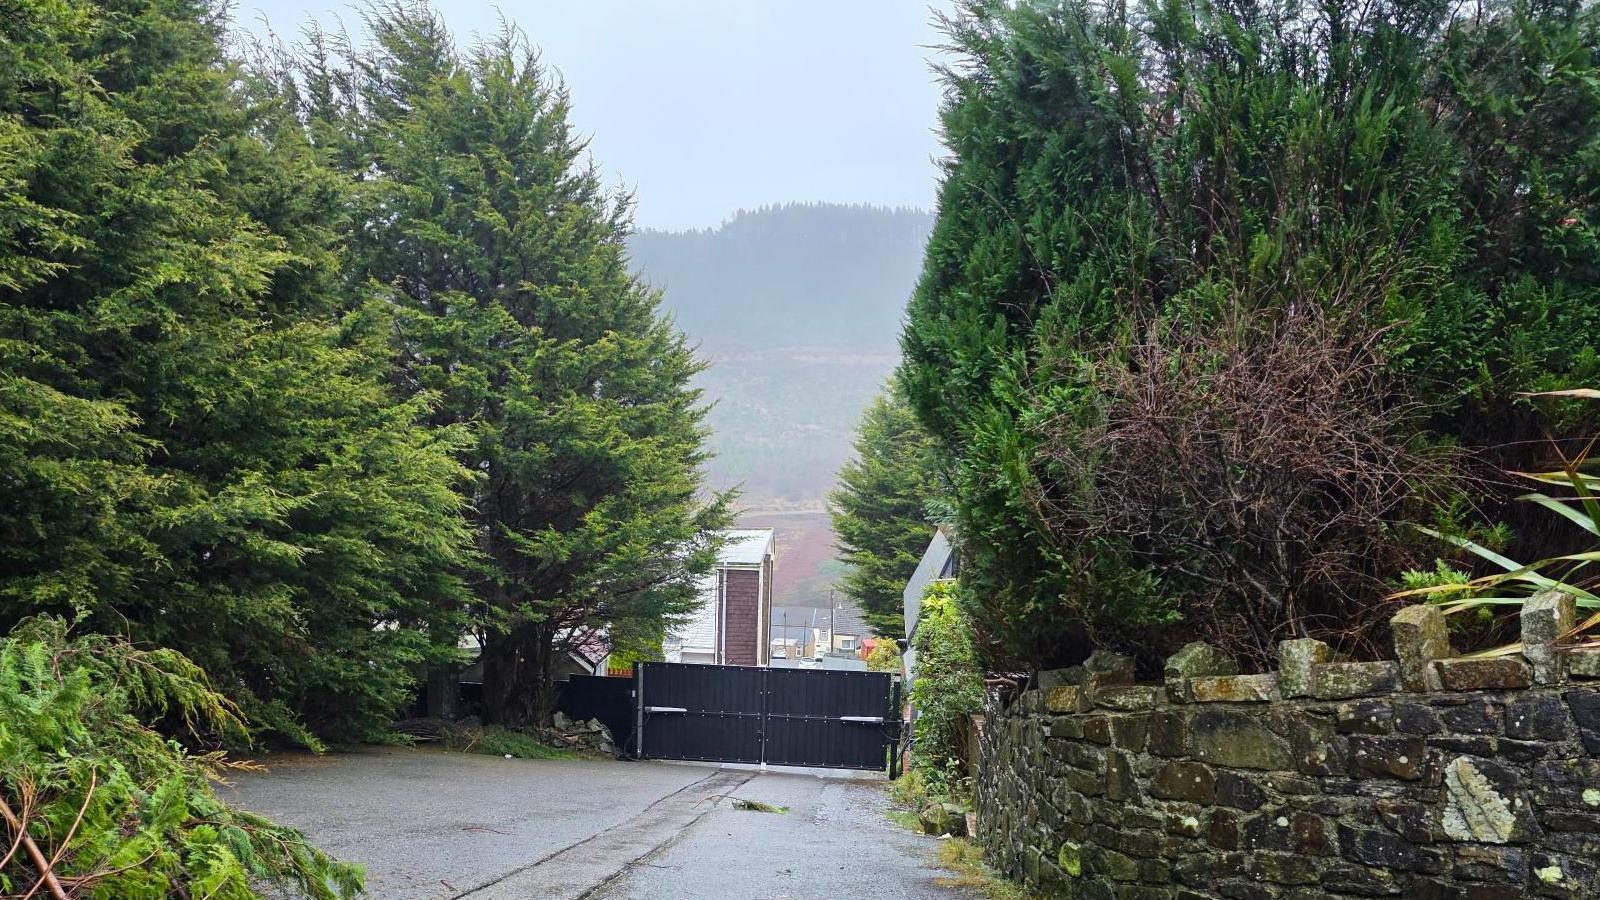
{"x":434,"y":824}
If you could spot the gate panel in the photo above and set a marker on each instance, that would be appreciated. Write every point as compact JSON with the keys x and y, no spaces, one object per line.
{"x":710,"y":713}
{"x":597,"y":697}
{"x":829,"y":719}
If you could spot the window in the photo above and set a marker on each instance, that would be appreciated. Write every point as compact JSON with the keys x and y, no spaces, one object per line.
{"x":847,"y":642}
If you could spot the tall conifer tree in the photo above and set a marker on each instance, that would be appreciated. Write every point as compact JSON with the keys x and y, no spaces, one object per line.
{"x":198,"y":444}
{"x":1216,"y":287}
{"x":503,"y":254}
{"x":881,"y":509}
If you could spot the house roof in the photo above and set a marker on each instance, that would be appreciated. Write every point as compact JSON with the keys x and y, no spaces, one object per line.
{"x":847,"y":619}
{"x":595,"y":648}
{"x":937,"y":562}
{"x":797,"y":616}
{"x":842,"y":619}
{"x":745,"y":546}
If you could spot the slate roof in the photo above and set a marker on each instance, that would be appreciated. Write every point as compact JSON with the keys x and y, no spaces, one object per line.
{"x":847,"y":619}
{"x":745,"y":546}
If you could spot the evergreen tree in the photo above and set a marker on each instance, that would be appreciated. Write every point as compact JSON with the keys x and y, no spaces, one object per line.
{"x":881,"y":510}
{"x":198,"y":444}
{"x":503,"y":254}
{"x":1215,"y":289}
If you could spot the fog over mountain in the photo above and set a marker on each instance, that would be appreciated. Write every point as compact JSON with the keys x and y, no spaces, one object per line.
{"x":797,"y":308}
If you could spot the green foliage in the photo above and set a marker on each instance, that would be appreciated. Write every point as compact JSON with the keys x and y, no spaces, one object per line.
{"x":118,"y":810}
{"x":1219,"y":296}
{"x":277,"y":346}
{"x":964,"y":858}
{"x":1441,"y":575}
{"x":880,"y":510}
{"x":477,"y":218}
{"x":1568,"y":573}
{"x":947,"y":691}
{"x":199,"y":444}
{"x":885,"y":656}
{"x":910,"y":791}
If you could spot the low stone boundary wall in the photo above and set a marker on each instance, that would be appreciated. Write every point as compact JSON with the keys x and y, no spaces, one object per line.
{"x":1427,"y":777}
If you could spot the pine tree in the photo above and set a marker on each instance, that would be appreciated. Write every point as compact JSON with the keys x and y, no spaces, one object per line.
{"x":503,"y":254}
{"x":881,"y":509}
{"x":200,"y":448}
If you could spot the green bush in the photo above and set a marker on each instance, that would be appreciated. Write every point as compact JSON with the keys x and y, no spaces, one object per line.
{"x":113,"y":808}
{"x":1220,"y":297}
{"x":885,"y":656}
{"x":946,"y":692}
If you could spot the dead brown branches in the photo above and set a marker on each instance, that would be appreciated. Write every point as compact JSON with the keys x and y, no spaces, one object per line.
{"x":43,"y":867}
{"x":1257,"y":465}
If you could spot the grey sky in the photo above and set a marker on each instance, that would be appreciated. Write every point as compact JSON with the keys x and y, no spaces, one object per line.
{"x":708,"y":106}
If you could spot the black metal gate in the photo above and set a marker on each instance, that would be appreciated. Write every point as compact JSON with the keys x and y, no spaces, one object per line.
{"x":783,"y":717}
{"x":600,"y":697}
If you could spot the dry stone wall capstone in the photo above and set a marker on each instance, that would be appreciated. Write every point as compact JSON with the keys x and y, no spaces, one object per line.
{"x":1433,"y":777}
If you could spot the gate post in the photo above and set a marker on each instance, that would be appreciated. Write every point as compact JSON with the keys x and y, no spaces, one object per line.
{"x":896,"y":715}
{"x":638,"y":710}
{"x":762,"y":725}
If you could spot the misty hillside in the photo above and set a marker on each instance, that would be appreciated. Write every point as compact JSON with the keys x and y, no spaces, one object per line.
{"x":798,"y":309}
{"x":800,"y":275}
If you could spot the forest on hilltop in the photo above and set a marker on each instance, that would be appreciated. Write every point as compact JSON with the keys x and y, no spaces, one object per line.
{"x":798,"y":309}
{"x":819,"y":275}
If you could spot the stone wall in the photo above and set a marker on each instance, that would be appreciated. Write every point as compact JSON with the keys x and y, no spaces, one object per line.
{"x":1425,"y":777}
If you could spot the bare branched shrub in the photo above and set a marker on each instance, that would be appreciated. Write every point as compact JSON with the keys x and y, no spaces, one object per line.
{"x":1256,"y":465}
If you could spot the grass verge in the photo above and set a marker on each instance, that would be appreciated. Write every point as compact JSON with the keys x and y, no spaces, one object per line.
{"x":905,"y":819}
{"x":496,"y":741}
{"x":964,"y":860}
{"x":959,"y":856}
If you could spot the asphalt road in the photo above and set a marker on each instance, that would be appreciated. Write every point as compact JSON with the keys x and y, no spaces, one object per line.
{"x":834,"y":841}
{"x":430,"y":825}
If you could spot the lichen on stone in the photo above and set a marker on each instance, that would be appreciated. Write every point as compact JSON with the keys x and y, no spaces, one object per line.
{"x":1474,"y":810}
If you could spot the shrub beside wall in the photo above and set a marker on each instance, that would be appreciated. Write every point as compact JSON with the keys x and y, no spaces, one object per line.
{"x":1424,"y":777}
{"x":947,"y":692}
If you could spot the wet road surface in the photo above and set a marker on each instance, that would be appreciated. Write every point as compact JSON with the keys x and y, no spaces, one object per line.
{"x":431,"y":825}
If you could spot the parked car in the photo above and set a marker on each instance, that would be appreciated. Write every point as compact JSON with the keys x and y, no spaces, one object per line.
{"x":780,"y":651}
{"x":809,"y":662}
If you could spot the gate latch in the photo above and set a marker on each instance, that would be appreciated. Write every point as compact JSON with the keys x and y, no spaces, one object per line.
{"x":863,"y":720}
{"x":665,"y":709}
